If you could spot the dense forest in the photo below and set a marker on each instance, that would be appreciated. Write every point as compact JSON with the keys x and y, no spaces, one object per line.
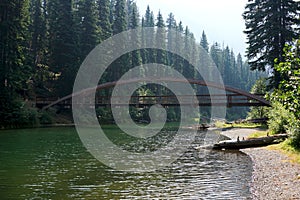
{"x":43,"y":43}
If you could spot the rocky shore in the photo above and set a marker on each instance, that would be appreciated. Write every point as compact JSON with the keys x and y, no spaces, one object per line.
{"x":274,"y":176}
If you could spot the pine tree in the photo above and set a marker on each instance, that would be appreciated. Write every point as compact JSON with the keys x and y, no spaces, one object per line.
{"x":216,"y":55}
{"x":90,"y":33}
{"x":119,"y":23}
{"x":133,"y":16}
{"x":63,"y":56}
{"x":15,"y":71}
{"x":148,"y":38}
{"x":112,"y":11}
{"x":270,"y":25}
{"x":178,"y":60}
{"x":39,"y":47}
{"x":161,"y":40}
{"x":203,"y":42}
{"x":39,"y":31}
{"x":104,"y":19}
{"x":134,"y":23}
{"x":226,"y":65}
{"x":149,"y":18}
{"x":240,"y":70}
{"x":144,"y":52}
{"x":188,"y":70}
{"x":14,"y":37}
{"x":171,"y":25}
{"x":121,"y":65}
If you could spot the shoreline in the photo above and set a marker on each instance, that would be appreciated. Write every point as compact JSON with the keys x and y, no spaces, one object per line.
{"x":274,"y":176}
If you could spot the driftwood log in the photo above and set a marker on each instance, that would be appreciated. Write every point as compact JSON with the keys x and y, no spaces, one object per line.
{"x":251,"y":142}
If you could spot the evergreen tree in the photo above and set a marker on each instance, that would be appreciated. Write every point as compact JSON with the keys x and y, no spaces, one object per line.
{"x":89,"y":35}
{"x":63,"y":56}
{"x":38,"y":30}
{"x":39,"y":47}
{"x":136,"y":58}
{"x":178,"y":60}
{"x":270,"y":25}
{"x":104,"y":19}
{"x":226,"y":66}
{"x":144,"y":52}
{"x":161,"y":40}
{"x":14,"y":37}
{"x":239,"y":68}
{"x":148,"y":38}
{"x":121,"y":65}
{"x":15,"y":71}
{"x":149,"y":18}
{"x":216,"y":55}
{"x":119,"y":23}
{"x":171,"y":25}
{"x":188,"y":70}
{"x":112,"y":11}
{"x":203,"y":42}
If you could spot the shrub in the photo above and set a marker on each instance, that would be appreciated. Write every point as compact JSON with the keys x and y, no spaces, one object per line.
{"x":279,"y":119}
{"x":294,"y":130}
{"x":46,"y":117}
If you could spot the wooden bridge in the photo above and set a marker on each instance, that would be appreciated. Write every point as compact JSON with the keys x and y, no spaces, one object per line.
{"x":233,"y":97}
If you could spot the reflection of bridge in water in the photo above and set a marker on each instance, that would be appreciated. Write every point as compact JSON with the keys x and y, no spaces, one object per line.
{"x":232,"y":97}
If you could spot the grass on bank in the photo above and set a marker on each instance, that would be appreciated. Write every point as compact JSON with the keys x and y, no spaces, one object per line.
{"x":288,"y":150}
{"x":284,"y":147}
{"x":220,"y":124}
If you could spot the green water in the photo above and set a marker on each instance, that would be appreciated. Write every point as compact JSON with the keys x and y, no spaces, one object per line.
{"x":52,"y":163}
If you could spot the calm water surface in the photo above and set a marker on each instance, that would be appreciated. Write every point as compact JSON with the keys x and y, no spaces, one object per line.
{"x":52,"y":163}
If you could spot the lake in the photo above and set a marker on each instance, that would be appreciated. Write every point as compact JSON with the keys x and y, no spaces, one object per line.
{"x":52,"y":163}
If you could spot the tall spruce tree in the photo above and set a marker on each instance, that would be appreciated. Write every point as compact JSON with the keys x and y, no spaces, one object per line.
{"x":119,"y":23}
{"x":62,"y":36}
{"x":161,"y":40}
{"x":178,"y":60}
{"x":39,"y":47}
{"x":188,"y":70}
{"x":89,"y":35}
{"x":14,"y":37}
{"x":38,"y":31}
{"x":136,"y":59}
{"x":122,"y":64}
{"x":270,"y":25}
{"x":112,"y":11}
{"x":104,"y":18}
{"x":15,"y":70}
{"x":203,"y":42}
{"x":171,"y":27}
{"x":148,"y":37}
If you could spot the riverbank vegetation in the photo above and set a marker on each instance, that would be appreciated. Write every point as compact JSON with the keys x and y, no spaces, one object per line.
{"x":272,"y":29}
{"x":284,"y":115}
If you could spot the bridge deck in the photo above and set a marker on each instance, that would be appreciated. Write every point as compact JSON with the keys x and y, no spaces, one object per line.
{"x":141,"y":101}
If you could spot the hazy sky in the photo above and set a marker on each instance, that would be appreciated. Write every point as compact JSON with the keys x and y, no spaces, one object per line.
{"x":221,"y":20}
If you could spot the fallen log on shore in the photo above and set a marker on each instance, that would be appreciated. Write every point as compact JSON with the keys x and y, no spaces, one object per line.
{"x":250,"y":143}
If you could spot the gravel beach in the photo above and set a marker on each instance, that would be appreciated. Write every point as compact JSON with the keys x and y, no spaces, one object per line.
{"x":274,"y":177}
